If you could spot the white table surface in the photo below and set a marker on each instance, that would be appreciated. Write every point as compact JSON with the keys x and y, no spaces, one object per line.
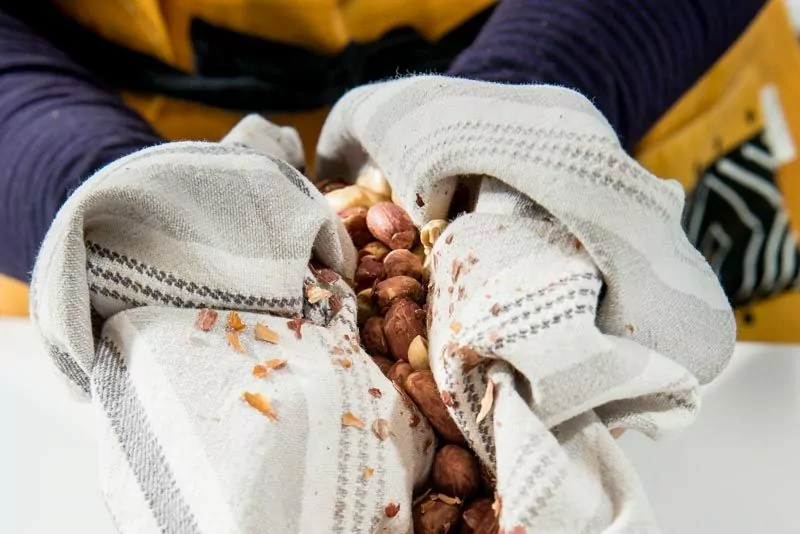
{"x":737,"y":471}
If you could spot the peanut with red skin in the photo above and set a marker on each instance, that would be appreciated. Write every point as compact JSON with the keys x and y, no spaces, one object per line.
{"x":366,"y":306}
{"x":455,"y":472}
{"x":400,"y":326}
{"x":373,"y":338}
{"x":391,"y":225}
{"x":369,"y":271}
{"x":479,"y":518}
{"x":396,"y":288}
{"x":355,"y":222}
{"x":402,"y":262}
{"x":399,"y":372}
{"x":421,"y":387}
{"x":432,"y":516}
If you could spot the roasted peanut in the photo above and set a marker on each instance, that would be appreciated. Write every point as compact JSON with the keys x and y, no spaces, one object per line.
{"x":391,"y":225}
{"x":421,"y":387}
{"x":400,"y":326}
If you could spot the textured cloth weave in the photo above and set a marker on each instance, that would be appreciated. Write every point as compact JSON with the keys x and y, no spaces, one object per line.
{"x":513,"y":285}
{"x":234,"y":228}
{"x":188,"y":225}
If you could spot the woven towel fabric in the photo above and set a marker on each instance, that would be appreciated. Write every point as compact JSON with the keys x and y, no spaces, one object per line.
{"x":132,"y":255}
{"x":562,"y":215}
{"x":571,"y":283}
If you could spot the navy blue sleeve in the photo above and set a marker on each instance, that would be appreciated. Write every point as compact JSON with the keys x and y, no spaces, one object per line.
{"x":57,"y":126}
{"x":633,"y":58}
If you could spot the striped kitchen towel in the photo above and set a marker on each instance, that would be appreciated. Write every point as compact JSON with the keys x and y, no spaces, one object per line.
{"x":569,"y":302}
{"x":258,"y":421}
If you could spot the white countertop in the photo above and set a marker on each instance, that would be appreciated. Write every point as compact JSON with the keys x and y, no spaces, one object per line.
{"x":737,"y":471}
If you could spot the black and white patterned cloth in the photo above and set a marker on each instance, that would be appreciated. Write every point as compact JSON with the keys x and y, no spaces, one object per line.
{"x":737,"y":218}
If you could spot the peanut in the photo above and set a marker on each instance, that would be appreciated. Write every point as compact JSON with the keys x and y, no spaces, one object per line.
{"x":421,"y":387}
{"x":431,"y":232}
{"x":400,"y":326}
{"x":372,"y":336}
{"x":327,"y":186}
{"x":351,"y":196}
{"x":366,"y":307}
{"x":395,"y":288}
{"x":455,"y":472}
{"x":369,"y":271}
{"x":374,"y":248}
{"x":372,"y":179}
{"x":355,"y":222}
{"x":391,"y":225}
{"x":479,"y":518}
{"x":403,"y":262}
{"x":399,"y":372}
{"x":433,"y":516}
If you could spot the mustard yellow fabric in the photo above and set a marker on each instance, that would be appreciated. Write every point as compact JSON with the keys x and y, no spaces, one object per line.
{"x":13,"y":297}
{"x":720,"y":112}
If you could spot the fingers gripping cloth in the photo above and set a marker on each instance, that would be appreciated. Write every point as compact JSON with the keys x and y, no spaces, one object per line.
{"x":562,"y":213}
{"x":191,"y":437}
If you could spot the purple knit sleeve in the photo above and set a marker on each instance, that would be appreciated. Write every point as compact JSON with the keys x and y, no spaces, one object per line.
{"x":57,"y":126}
{"x":633,"y":58}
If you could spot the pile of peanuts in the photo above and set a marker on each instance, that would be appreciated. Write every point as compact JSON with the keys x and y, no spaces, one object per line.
{"x":391,"y":283}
